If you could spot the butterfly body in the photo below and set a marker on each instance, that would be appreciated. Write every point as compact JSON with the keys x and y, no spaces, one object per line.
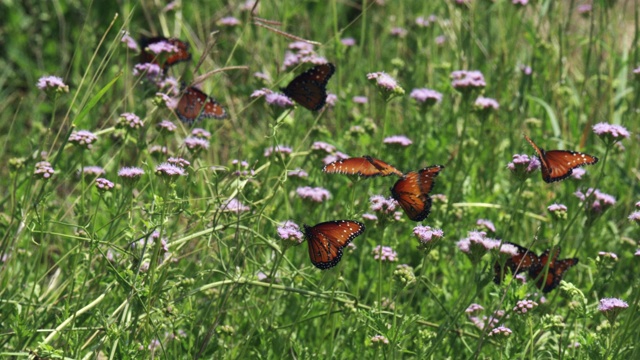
{"x":327,"y":240}
{"x":365,"y":166}
{"x":182,"y":53}
{"x":557,"y":165}
{"x":195,"y":105}
{"x":309,"y":89}
{"x":412,"y":192}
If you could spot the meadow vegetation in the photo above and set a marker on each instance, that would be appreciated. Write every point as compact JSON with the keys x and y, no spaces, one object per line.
{"x":107,"y":250}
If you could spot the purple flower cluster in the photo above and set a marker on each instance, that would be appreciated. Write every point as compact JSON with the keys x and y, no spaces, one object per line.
{"x":486,"y":224}
{"x":178,"y":161}
{"x":169,"y":170}
{"x":130,"y":173}
{"x":611,"y":307}
{"x":349,"y":41}
{"x":234,"y":205}
{"x":103,"y":184}
{"x":600,"y":201}
{"x":153,"y":72}
{"x":422,"y":22}
{"x":323,"y":146}
{"x":129,"y":41}
{"x":167,"y":127}
{"x":522,"y":166}
{"x":474,"y":308}
{"x":201,"y":133}
{"x":384,"y":253}
{"x":398,"y":31}
{"x":386,"y":83}
{"x":523,"y":306}
{"x":196,"y":144}
{"x":52,"y":84}
{"x":44,"y":170}
{"x":578,"y":173}
{"x":93,"y":171}
{"x":381,"y":204}
{"x":229,"y":21}
{"x":426,"y":234}
{"x":83,"y":138}
{"x":609,"y":255}
{"x":484,"y":104}
{"x":400,"y":140}
{"x":290,"y":231}
{"x":360,"y":99}
{"x":426,"y":96}
{"x":298,"y":173}
{"x":301,"y":53}
{"x":500,"y":331}
{"x":334,"y":157}
{"x":278,"y":149}
{"x":379,"y":340}
{"x":477,"y":244}
{"x":129,"y":121}
{"x":610,"y":133}
{"x":165,"y":101}
{"x":635,"y":217}
{"x":316,"y":194}
{"x":559,"y":211}
{"x":466,"y":81}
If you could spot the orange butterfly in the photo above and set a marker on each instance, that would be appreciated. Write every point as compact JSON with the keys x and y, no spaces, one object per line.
{"x":309,"y":89}
{"x":557,"y":165}
{"x":365,"y":166}
{"x":326,"y":241}
{"x":412,"y":192}
{"x":548,"y":277}
{"x":518,"y":263}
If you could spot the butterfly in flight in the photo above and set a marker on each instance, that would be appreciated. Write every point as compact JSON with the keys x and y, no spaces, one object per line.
{"x":557,"y":165}
{"x":364,"y":166}
{"x":548,"y":277}
{"x":412,"y":192}
{"x":195,"y":105}
{"x":180,"y":54}
{"x":309,"y":89}
{"x":326,"y":241}
{"x":520,"y":262}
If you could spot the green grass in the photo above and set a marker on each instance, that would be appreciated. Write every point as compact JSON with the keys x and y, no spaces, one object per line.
{"x":72,"y":286}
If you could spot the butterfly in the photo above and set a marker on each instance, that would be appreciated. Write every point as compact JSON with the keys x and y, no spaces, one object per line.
{"x":195,"y":105}
{"x":309,"y":89}
{"x":326,"y":241}
{"x":548,"y":280}
{"x":181,"y":54}
{"x":521,"y":262}
{"x":557,"y":165}
{"x":412,"y":192}
{"x":362,"y":166}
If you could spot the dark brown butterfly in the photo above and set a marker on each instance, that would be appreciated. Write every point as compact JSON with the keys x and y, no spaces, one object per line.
{"x":521,"y":262}
{"x":326,"y":241}
{"x":195,"y":105}
{"x":182,"y":53}
{"x":412,"y":192}
{"x":557,"y":165}
{"x":309,"y":89}
{"x":362,"y":166}
{"x":548,"y":280}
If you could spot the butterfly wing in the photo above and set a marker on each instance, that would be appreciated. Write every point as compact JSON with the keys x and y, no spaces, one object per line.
{"x":412,"y":192}
{"x":309,"y":89}
{"x":561,"y":163}
{"x":365,"y":166}
{"x":326,"y":241}
{"x":557,"y":165}
{"x":548,"y":280}
{"x":521,"y":262}
{"x":195,"y":105}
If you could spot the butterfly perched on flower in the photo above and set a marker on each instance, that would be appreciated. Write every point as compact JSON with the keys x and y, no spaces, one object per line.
{"x":549,"y":270}
{"x":365,"y":166}
{"x":195,"y":105}
{"x":412,"y":192}
{"x":557,"y":165}
{"x":522,"y":261}
{"x":309,"y":89}
{"x":180,"y":53}
{"x":327,"y":240}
